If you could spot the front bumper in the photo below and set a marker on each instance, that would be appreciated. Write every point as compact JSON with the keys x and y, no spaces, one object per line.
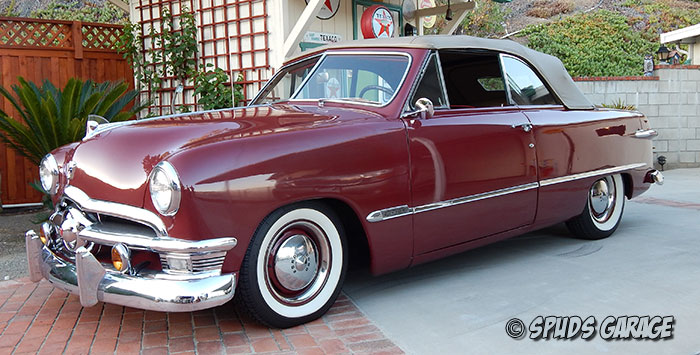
{"x":68,"y":255}
{"x":89,"y":279}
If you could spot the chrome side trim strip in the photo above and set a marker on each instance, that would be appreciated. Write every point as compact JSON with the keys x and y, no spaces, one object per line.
{"x":404,"y":210}
{"x":477,"y":197}
{"x":588,"y":174}
{"x":119,"y":210}
{"x":647,"y":133}
{"x":389,"y":213}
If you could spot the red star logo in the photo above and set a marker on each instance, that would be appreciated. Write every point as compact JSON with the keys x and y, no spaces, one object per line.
{"x":328,"y":5}
{"x":333,"y":91}
{"x":384,"y":27}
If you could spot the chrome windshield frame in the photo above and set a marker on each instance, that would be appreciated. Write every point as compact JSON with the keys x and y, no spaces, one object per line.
{"x":353,"y":52}
{"x":281,"y":72}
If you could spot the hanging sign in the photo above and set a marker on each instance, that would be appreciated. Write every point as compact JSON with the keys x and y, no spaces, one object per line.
{"x":322,"y":38}
{"x":428,"y":21}
{"x":377,"y":22}
{"x":328,"y":9}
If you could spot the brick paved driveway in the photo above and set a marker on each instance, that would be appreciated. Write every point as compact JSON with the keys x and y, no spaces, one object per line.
{"x":38,"y":318}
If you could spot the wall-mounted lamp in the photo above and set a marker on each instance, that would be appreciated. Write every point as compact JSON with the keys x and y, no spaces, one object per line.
{"x":661,"y":159}
{"x":448,"y":13}
{"x":663,"y":53}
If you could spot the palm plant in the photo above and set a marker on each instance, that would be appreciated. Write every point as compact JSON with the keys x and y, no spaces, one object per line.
{"x":49,"y":117}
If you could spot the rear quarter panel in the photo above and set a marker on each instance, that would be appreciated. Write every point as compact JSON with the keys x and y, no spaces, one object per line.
{"x":570,"y":142}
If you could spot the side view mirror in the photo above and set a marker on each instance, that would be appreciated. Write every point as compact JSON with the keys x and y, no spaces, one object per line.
{"x":322,"y":77}
{"x":425,"y":108}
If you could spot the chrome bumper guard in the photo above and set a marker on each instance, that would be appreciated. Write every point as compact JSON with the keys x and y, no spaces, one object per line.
{"x":190,"y":278}
{"x":89,"y":279}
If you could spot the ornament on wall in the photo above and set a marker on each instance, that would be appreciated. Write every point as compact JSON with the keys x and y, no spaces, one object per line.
{"x":428,"y":21}
{"x":377,"y":22}
{"x":328,"y":9}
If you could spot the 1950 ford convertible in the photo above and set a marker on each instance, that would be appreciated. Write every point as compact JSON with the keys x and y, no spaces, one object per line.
{"x":395,"y":152}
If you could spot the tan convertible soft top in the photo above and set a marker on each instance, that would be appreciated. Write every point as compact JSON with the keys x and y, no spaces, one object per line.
{"x":550,"y":67}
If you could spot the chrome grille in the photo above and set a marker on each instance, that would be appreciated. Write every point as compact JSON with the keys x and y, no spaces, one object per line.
{"x":208,"y":263}
{"x":194,"y":263}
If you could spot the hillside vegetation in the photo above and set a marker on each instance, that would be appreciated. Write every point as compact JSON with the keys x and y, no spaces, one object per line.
{"x":71,"y":10}
{"x":592,"y":38}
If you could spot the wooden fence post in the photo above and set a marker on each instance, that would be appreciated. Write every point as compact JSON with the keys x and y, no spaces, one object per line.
{"x":78,"y":39}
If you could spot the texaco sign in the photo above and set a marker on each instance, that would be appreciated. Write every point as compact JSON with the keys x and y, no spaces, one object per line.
{"x":328,"y":9}
{"x":377,"y":22}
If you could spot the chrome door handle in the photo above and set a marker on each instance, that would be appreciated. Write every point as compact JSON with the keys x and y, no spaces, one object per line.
{"x":527,"y":127}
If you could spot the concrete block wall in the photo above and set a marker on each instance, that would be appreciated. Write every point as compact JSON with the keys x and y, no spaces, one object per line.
{"x":671,"y":101}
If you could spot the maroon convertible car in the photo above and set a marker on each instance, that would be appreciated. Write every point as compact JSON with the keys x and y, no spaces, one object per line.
{"x":393,"y":151}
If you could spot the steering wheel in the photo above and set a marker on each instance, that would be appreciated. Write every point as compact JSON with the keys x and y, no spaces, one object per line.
{"x":385,"y":89}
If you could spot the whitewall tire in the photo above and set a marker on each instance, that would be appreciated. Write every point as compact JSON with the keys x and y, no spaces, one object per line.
{"x":295,"y":265}
{"x":602,"y":214}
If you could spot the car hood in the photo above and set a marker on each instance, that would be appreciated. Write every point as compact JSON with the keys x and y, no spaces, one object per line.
{"x":114,"y":164}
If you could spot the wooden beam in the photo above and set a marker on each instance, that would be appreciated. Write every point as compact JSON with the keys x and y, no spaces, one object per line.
{"x":451,"y":26}
{"x":121,"y":4}
{"x":299,"y":29}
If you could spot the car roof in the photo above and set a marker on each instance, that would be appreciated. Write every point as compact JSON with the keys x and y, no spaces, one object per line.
{"x":550,"y":67}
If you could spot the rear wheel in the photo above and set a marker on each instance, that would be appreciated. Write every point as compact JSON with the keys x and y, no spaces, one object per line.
{"x":603,"y":211}
{"x":295,"y":265}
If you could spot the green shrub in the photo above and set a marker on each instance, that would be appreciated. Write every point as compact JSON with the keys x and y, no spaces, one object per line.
{"x":665,"y":15}
{"x":49,"y":118}
{"x":214,"y":93}
{"x":486,"y":20}
{"x":599,"y":43}
{"x":620,"y":105}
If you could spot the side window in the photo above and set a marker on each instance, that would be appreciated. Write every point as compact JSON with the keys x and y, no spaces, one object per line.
{"x":525,"y":86}
{"x":473,"y":78}
{"x":429,"y":85}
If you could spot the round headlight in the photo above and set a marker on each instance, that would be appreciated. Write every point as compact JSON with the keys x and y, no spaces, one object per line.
{"x":165,"y":189}
{"x":48,"y":174}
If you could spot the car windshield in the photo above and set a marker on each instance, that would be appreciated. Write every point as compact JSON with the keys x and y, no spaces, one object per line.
{"x":366,"y":78}
{"x":286,"y":82}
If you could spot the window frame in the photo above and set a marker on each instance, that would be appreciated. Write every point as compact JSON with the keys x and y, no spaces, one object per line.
{"x":414,"y":87}
{"x":317,"y":56}
{"x":509,"y":97}
{"x":325,"y":54}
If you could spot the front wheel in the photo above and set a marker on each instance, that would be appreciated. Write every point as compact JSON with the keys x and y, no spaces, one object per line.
{"x":603,"y":211}
{"x":295,"y":265}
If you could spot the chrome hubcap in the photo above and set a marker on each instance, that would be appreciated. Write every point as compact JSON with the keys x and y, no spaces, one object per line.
{"x":296,"y":262}
{"x":601,"y":199}
{"x":599,"y":196}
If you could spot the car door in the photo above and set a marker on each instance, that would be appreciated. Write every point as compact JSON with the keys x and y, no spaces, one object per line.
{"x":473,"y":163}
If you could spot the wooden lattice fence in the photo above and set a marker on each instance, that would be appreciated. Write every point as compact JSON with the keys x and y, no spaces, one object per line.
{"x":51,"y":50}
{"x":232,"y":35}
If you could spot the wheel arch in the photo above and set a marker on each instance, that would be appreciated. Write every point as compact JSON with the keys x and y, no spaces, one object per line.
{"x":628,"y":184}
{"x":355,"y":233}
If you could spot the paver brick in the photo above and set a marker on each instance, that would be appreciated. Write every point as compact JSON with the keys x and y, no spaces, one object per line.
{"x":38,"y":319}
